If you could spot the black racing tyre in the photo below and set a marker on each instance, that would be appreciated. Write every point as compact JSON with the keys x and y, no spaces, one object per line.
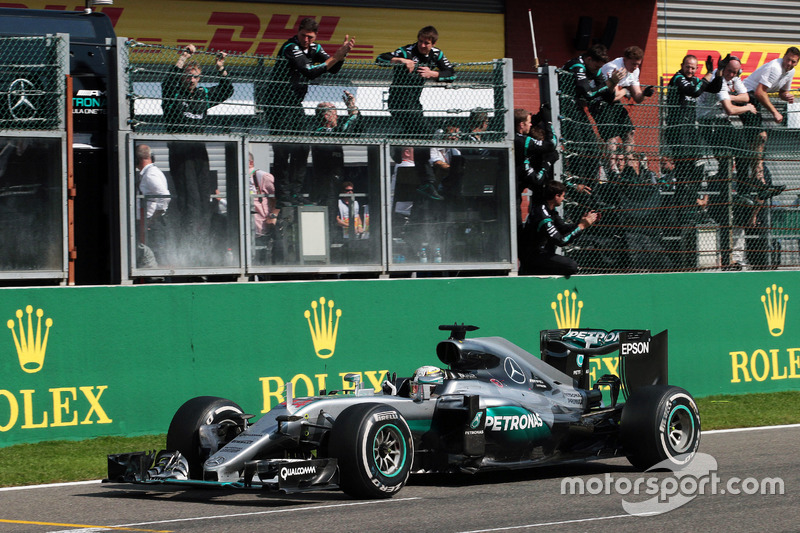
{"x":660,"y":423}
{"x":183,"y":434}
{"x":374,"y":449}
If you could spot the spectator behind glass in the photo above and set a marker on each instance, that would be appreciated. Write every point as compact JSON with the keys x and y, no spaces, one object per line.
{"x":348,"y":210}
{"x":186,"y":106}
{"x":328,"y":159}
{"x":152,"y":184}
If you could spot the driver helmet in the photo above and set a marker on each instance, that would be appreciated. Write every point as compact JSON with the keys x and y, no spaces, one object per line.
{"x":426,"y":375}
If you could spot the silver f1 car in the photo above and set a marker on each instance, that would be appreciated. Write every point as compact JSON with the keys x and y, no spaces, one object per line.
{"x":495,"y":406}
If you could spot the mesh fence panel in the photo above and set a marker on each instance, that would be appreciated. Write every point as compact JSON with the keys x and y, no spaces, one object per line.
{"x":32,"y":83}
{"x":677,"y":192}
{"x":263,"y":103}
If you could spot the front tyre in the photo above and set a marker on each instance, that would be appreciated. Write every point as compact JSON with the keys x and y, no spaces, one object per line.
{"x":374,"y":449}
{"x":660,"y":423}
{"x":184,"y":430}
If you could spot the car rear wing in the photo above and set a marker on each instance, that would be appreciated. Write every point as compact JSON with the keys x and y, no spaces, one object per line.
{"x":642,"y":356}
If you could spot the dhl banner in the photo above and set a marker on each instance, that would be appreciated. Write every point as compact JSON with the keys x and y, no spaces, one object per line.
{"x":752,"y":55}
{"x":256,"y":28}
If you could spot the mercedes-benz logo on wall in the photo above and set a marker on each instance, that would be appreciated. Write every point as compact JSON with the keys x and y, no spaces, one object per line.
{"x":514,"y":371}
{"x":21,"y":93}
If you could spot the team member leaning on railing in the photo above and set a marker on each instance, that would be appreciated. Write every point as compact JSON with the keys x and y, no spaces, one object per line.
{"x":545,"y":230}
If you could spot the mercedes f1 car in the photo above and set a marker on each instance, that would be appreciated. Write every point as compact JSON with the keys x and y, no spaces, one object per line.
{"x":494,"y":406}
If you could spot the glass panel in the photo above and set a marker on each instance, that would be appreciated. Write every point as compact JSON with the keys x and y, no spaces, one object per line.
{"x":184,"y":218}
{"x":31,"y":206}
{"x":449,"y":205}
{"x":303,"y":199}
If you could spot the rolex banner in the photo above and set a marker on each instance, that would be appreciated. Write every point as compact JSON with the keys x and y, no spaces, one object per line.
{"x":83,"y":362}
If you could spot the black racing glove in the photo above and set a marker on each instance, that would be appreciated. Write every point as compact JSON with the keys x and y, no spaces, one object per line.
{"x":649,"y":90}
{"x":709,"y":64}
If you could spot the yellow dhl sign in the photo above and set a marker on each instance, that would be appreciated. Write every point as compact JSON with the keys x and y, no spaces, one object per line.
{"x":256,"y":28}
{"x":752,"y":55}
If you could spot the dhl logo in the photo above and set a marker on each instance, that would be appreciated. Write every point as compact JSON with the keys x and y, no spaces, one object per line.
{"x":752,"y":56}
{"x":235,"y":32}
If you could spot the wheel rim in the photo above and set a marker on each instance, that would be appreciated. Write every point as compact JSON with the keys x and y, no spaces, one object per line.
{"x":681,"y":429}
{"x":389,"y":450}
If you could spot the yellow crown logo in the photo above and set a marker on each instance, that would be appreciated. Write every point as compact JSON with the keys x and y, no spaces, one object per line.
{"x":775,"y":308}
{"x":30,"y":349}
{"x":567,"y":315}
{"x":323,"y":331}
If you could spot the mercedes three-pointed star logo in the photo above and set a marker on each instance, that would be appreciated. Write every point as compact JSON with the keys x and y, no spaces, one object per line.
{"x":19,"y":98}
{"x":514,"y":371}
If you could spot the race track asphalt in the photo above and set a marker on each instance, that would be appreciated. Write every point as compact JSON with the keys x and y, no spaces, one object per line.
{"x":529,"y":500}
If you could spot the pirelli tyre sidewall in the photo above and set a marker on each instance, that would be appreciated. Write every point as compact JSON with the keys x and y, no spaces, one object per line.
{"x":183,"y":434}
{"x":374,"y":449}
{"x":659,"y":424}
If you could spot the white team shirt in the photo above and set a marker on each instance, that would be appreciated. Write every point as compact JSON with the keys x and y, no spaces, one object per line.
{"x":632,"y":79}
{"x":153,"y":182}
{"x":772,"y":76}
{"x":709,"y":105}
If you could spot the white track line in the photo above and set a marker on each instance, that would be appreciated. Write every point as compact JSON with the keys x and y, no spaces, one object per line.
{"x":271,"y":511}
{"x":98,"y":481}
{"x":738,"y":430}
{"x":48,"y":485}
{"x":557,"y":523}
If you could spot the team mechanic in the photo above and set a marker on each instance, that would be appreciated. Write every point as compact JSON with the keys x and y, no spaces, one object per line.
{"x":546,"y":230}
{"x":414,"y":64}
{"x":682,"y":136}
{"x":300,"y":60}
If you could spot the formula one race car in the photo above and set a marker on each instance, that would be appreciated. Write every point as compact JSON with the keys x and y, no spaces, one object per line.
{"x":496,"y":406}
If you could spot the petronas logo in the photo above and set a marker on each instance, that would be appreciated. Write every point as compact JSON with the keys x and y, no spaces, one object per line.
{"x":775,"y":303}
{"x":568,"y":314}
{"x":324,"y":329}
{"x":31,"y":347}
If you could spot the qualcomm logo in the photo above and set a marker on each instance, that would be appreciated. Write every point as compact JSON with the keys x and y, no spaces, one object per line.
{"x":323,"y":330}
{"x":30,"y":347}
{"x":775,"y":303}
{"x":567,"y":315}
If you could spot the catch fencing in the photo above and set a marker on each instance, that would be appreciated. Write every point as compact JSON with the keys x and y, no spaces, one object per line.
{"x":265,"y":105}
{"x":32,"y":82}
{"x":388,"y":123}
{"x":679,"y":187}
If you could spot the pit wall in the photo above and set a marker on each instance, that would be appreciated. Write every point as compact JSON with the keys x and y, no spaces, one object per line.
{"x":120,"y":360}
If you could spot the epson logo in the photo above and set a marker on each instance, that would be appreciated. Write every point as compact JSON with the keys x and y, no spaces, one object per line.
{"x":635,"y":348}
{"x":297,"y":471}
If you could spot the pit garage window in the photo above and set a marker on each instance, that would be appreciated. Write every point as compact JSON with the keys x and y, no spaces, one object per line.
{"x":32,"y":207}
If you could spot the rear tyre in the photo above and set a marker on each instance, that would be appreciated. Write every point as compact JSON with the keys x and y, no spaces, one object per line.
{"x":374,"y":449}
{"x":660,"y":423}
{"x":183,"y":434}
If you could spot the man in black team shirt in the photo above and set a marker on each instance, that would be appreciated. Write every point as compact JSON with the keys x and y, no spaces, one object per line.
{"x":682,"y":136}
{"x":414,"y":64}
{"x":533,"y":158}
{"x":300,"y":59}
{"x":586,"y":90}
{"x":546,"y":230}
